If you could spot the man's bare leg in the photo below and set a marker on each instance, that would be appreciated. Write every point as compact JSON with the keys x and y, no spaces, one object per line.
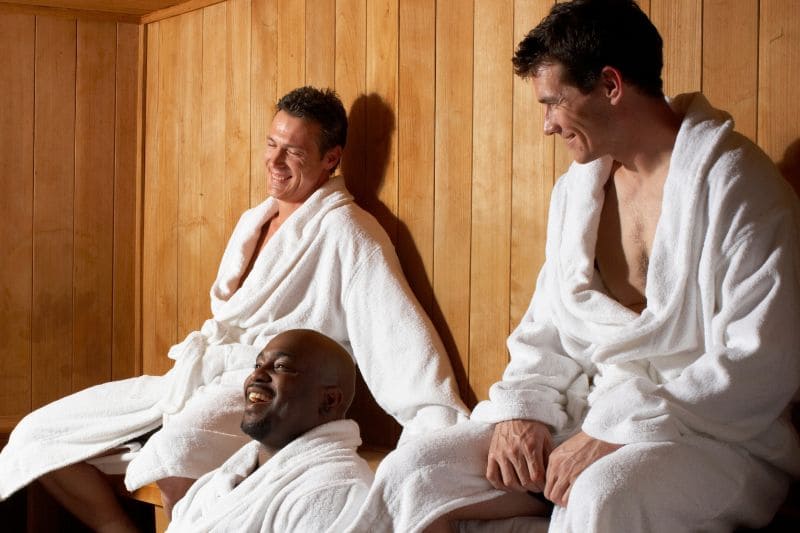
{"x":172,"y":490}
{"x":86,"y":493}
{"x":506,"y":506}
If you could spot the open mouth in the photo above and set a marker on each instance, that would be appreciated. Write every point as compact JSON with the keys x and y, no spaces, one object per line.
{"x":257,"y":396}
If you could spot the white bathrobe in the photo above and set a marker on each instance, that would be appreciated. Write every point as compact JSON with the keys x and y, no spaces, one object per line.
{"x":694,"y":387}
{"x":315,"y":483}
{"x":330,"y":267}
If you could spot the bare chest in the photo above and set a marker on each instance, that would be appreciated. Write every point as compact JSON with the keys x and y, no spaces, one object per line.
{"x":625,"y":240}
{"x":267,"y":231}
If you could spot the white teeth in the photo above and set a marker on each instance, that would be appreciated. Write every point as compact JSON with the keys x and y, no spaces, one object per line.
{"x":257,"y":397}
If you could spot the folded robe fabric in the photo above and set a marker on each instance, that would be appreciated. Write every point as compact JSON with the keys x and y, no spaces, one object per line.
{"x":716,"y":352}
{"x":330,"y":267}
{"x":315,"y":483}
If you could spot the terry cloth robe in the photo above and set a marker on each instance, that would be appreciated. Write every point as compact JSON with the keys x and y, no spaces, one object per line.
{"x":315,"y":483}
{"x":330,"y":267}
{"x":695,"y":387}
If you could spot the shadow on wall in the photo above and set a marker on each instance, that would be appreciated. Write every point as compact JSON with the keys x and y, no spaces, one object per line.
{"x":365,"y":163}
{"x":790,"y":165}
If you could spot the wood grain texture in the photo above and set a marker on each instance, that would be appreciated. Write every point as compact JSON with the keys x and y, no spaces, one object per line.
{"x":238,"y":106}
{"x":381,"y":114}
{"x":453,"y":178}
{"x":680,"y":24}
{"x":732,"y":25}
{"x":212,"y":223}
{"x":778,"y":105}
{"x":263,"y":90}
{"x":532,"y":174}
{"x":320,"y":43}
{"x":416,"y":140}
{"x":17,"y":39}
{"x":94,"y":203}
{"x":54,"y":175}
{"x":491,"y":195}
{"x":126,"y":333}
{"x":160,"y":267}
{"x":291,"y":50}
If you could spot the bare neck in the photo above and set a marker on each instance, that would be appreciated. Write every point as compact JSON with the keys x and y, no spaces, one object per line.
{"x":648,"y":129}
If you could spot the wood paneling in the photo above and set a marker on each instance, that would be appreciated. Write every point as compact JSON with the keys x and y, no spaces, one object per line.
{"x":69,"y":173}
{"x":491,"y":193}
{"x":732,"y":25}
{"x":53,"y":194}
{"x":452,"y":182}
{"x":17,"y":38}
{"x":68,"y":185}
{"x":445,"y":148}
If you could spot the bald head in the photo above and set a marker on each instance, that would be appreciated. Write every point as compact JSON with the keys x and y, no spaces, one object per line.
{"x":301,"y":379}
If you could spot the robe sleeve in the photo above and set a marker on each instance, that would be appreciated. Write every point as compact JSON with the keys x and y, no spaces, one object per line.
{"x":540,"y":382}
{"x":398,"y":351}
{"x":750,"y":370}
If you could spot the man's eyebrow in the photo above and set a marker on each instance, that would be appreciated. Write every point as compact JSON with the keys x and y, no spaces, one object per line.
{"x":292,"y":146}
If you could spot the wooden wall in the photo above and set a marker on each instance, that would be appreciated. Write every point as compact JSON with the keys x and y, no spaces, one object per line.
{"x":446,"y":145}
{"x":445,"y":149}
{"x":68,"y":185}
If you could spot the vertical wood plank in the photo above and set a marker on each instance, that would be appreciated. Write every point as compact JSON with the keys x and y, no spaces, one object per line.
{"x":126,"y":341}
{"x":188,"y":71}
{"x":94,"y":203}
{"x":350,"y":80}
{"x":381,"y":140}
{"x":532,"y":174}
{"x":263,"y":90}
{"x":416,"y":141}
{"x":17,"y":40}
{"x":212,"y":193}
{"x":237,"y":115}
{"x":54,"y":174}
{"x":320,"y":42}
{"x":453,"y":171}
{"x":491,"y":195}
{"x":160,"y":276}
{"x":732,"y":25}
{"x":291,"y":45}
{"x":778,"y":105}
{"x":680,"y":24}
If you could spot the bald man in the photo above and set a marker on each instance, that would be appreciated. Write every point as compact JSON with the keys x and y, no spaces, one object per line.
{"x":301,"y":472}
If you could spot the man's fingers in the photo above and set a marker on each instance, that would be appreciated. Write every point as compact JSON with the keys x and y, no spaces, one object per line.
{"x":510,"y":477}
{"x":493,"y":474}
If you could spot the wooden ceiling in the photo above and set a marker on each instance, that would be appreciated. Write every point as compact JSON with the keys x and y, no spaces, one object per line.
{"x":129,"y":7}
{"x":140,"y":11}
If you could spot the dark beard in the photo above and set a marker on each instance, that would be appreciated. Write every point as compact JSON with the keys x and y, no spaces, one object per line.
{"x":257,"y":430}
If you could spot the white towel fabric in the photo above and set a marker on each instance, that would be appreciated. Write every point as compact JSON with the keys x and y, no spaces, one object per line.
{"x":315,"y":483}
{"x":712,"y":362}
{"x":330,"y":267}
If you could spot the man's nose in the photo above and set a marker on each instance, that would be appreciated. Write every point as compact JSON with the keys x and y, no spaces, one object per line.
{"x":550,"y":125}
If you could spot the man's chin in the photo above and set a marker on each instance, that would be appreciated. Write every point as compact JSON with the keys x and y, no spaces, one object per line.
{"x":256,"y":429}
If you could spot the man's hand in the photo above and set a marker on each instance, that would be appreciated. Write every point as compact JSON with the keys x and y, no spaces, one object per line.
{"x":518,"y":455}
{"x":568,"y":460}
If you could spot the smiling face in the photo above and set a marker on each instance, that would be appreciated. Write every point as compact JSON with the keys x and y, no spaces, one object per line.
{"x":295,"y":167}
{"x":582,"y":120}
{"x":284,"y":395}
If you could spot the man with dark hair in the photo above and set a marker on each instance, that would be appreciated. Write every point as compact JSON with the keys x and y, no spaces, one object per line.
{"x":649,"y":380}
{"x":308,"y":257}
{"x":302,"y":471}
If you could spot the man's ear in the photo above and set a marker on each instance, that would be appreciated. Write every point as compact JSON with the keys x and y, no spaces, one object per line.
{"x":332,"y":157}
{"x":332,"y":399}
{"x":611,"y":84}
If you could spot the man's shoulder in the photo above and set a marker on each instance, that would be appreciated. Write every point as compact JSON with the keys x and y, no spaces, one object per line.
{"x":352,"y":224}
